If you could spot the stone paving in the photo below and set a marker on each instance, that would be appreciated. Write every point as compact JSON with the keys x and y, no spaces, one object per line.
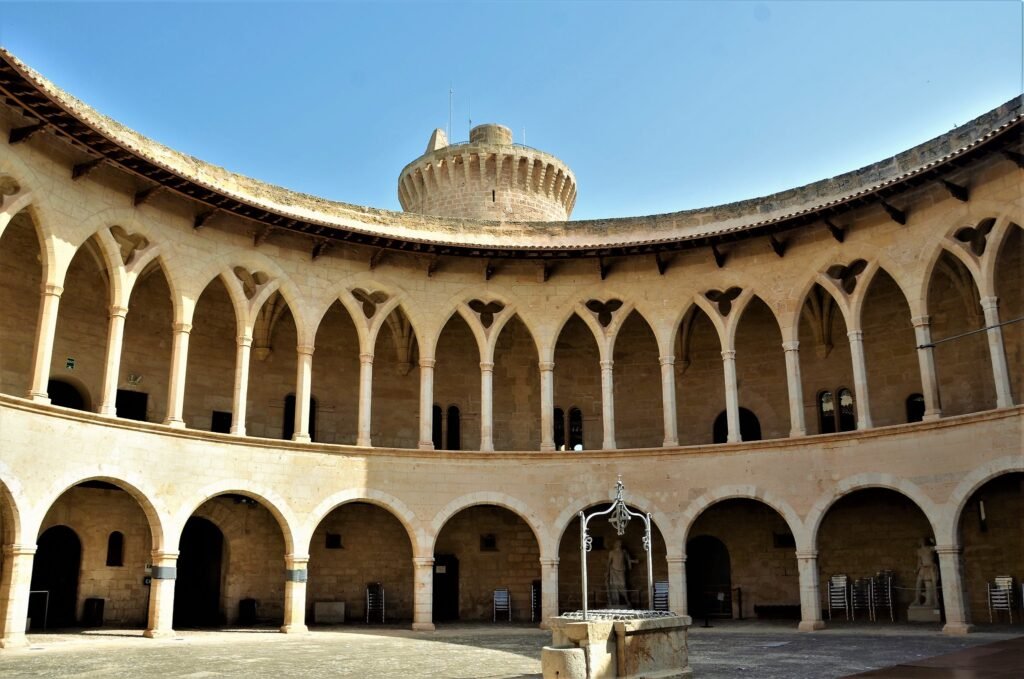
{"x":470,"y":651}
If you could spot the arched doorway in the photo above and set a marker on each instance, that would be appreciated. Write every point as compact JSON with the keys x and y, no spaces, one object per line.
{"x":708,"y":578}
{"x":750,"y":427}
{"x":197,"y":589}
{"x":55,"y":571}
{"x":65,"y":394}
{"x":480,"y":549}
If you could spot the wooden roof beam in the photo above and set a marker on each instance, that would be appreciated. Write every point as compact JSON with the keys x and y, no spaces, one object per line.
{"x":957,"y":191}
{"x":838,"y":232}
{"x":895,"y":214}
{"x":1011,"y":155}
{"x":202,"y":218}
{"x":143,"y":196}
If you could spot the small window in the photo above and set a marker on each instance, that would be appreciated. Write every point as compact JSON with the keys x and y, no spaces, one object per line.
{"x":220,"y":422}
{"x":847,"y":413}
{"x":915,"y":408}
{"x":488,"y":542}
{"x":454,"y":438}
{"x":333,"y":541}
{"x":575,"y":428}
{"x":826,"y":413}
{"x":131,"y":405}
{"x":783,"y":540}
{"x":436,"y":427}
{"x":559,"y":428}
{"x":493,"y":196}
{"x":836,"y":413}
{"x":115,"y":549}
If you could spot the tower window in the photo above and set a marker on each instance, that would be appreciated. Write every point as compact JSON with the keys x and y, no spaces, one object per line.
{"x":115,"y":549}
{"x":493,"y":195}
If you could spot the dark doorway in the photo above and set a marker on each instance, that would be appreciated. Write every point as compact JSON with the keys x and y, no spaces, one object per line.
{"x":288,"y":425}
{"x":446,"y":587}
{"x":454,"y":437}
{"x":197,"y":590}
{"x":750,"y":427}
{"x":437,"y":424}
{"x":131,"y":405}
{"x":64,"y":394}
{"x":55,"y":570}
{"x":708,"y":578}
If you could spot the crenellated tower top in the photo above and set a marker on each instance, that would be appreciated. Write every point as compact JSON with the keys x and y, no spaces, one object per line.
{"x":487,"y":178}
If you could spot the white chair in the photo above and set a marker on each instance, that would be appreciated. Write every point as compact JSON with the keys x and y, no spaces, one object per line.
{"x":502,"y":603}
{"x":838,"y":595}
{"x":1000,"y":596}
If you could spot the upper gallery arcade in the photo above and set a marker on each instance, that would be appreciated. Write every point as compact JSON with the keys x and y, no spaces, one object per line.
{"x":861,"y":329}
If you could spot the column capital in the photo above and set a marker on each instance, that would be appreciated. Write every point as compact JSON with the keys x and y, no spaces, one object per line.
{"x":855,"y":335}
{"x":546,"y":366}
{"x":423,"y":561}
{"x":427,"y":363}
{"x":117,"y":310}
{"x":791,"y":345}
{"x":305,"y":349}
{"x":296,"y":561}
{"x":182,"y":328}
{"x":164,"y":555}
{"x":366,"y":359}
{"x":52,"y":290}
{"x":921,"y":321}
{"x":607,"y":365}
{"x":487,"y":366}
{"x":729,"y":355}
{"x":19,"y":550}
{"x":244,"y":340}
{"x":548,"y":563}
{"x":989,"y":302}
{"x":667,"y":360}
{"x":806,"y":555}
{"x":675,"y":559}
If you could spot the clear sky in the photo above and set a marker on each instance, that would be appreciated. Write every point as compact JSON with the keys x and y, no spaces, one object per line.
{"x":656,"y":107}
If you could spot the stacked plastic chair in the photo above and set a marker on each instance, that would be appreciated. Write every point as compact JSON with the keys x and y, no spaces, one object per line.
{"x":374,"y":601}
{"x":502,"y":603}
{"x":881,"y":593}
{"x":838,"y":595}
{"x":862,"y":597}
{"x":1000,"y":596}
{"x":661,"y":595}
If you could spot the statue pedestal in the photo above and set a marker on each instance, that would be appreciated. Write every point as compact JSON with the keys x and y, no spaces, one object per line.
{"x":592,"y":649}
{"x":919,"y":613}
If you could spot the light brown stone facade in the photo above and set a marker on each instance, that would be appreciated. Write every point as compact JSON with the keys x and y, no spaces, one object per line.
{"x":103,"y":295}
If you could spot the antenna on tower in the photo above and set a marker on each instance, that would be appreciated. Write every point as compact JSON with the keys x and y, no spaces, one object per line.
{"x":524,"y":135}
{"x":451,"y":93}
{"x":469,"y":105}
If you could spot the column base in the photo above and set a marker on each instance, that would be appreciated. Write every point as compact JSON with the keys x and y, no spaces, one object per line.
{"x":176,"y":424}
{"x":302,"y":438}
{"x":668,"y":443}
{"x":159,"y":634}
{"x":423,"y":627}
{"x":797,"y":433}
{"x":426,"y":445}
{"x":957,"y":629}
{"x":14,"y":641}
{"x":811,"y":625}
{"x":547,"y":447}
{"x":931,"y":415}
{"x":364,"y":442}
{"x":240,"y":431}
{"x":107,"y":411}
{"x":294,"y":629}
{"x":39,"y":397}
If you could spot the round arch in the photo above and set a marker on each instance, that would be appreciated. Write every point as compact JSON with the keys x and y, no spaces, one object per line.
{"x":743,"y":492}
{"x":946,"y":530}
{"x":389,"y":503}
{"x":514,"y":505}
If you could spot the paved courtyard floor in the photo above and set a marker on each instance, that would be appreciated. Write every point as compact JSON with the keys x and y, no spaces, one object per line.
{"x":730,"y":649}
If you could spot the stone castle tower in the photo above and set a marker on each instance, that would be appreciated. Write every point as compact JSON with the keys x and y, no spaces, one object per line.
{"x":488,"y":178}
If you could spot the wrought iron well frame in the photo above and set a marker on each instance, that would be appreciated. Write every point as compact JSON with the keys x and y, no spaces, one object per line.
{"x":621,"y":514}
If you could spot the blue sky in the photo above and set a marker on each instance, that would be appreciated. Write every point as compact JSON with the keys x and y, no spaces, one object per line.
{"x":657,"y":107}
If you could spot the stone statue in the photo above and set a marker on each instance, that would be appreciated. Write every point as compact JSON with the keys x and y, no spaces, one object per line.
{"x":927,"y":577}
{"x":619,"y":563}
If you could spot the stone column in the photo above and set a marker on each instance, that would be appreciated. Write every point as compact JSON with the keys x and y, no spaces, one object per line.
{"x":486,"y":405}
{"x":1004,"y":393}
{"x":15,"y":583}
{"x":668,"y":400}
{"x":46,"y":331}
{"x":548,"y":591}
{"x":810,"y":595}
{"x":240,"y":397}
{"x":547,"y":405}
{"x":860,"y":378}
{"x":176,"y":385}
{"x":677,"y":584}
{"x":365,"y":399}
{"x":161,"y":595}
{"x":926,"y":360}
{"x":427,"y":403}
{"x":608,"y":404}
{"x":303,"y":390}
{"x":423,"y":593}
{"x":954,"y":599}
{"x":295,"y":576}
{"x":732,"y":397}
{"x":794,"y":385}
{"x":112,"y":364}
